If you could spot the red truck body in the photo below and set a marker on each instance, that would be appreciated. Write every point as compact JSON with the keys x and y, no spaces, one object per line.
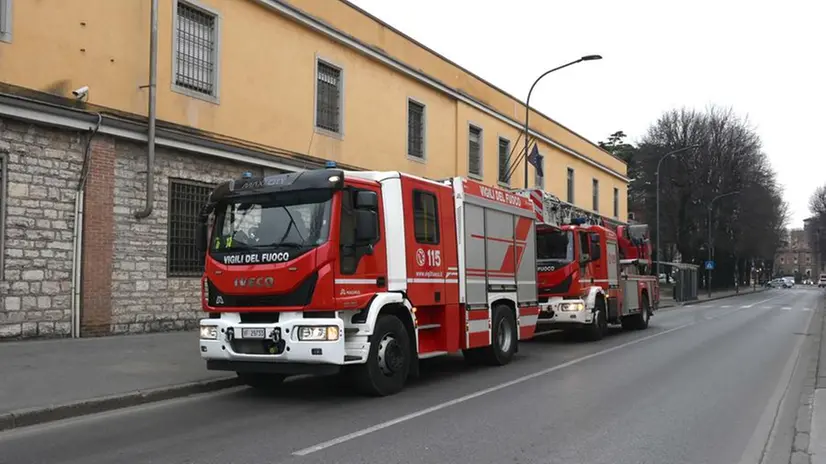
{"x":369,"y":272}
{"x":590,"y":275}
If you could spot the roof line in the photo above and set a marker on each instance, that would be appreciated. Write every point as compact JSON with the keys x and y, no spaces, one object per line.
{"x":300,"y":16}
{"x":474,"y":75}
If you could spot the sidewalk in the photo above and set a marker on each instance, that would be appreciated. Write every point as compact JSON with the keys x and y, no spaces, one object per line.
{"x":49,"y":380}
{"x":667,"y":301}
{"x":54,"y":379}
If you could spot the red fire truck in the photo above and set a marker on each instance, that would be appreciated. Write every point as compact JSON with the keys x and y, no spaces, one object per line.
{"x":363,"y":272}
{"x":590,"y":275}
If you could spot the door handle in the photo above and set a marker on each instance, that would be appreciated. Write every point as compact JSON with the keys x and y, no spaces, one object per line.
{"x":381,"y":281}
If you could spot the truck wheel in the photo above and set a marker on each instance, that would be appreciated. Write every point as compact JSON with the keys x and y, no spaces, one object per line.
{"x":388,"y":363}
{"x":261,"y":381}
{"x":645,"y":315}
{"x":596,"y":331}
{"x":503,"y":337}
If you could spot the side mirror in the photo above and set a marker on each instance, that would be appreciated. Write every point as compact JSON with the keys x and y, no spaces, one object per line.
{"x":367,"y":226}
{"x":367,"y":200}
{"x":201,"y":236}
{"x":585,"y":258}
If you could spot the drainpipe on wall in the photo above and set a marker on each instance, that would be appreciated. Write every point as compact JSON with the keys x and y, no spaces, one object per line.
{"x":153,"y":81}
{"x":77,"y":233}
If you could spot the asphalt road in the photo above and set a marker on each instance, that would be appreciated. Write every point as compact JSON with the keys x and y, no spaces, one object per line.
{"x":702,"y":385}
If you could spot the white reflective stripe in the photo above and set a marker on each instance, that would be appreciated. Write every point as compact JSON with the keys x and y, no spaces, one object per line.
{"x":432,"y":281}
{"x":601,"y":281}
{"x":477,"y":281}
{"x":453,"y":269}
{"x":525,"y":321}
{"x":526,"y":282}
{"x":356,"y":281}
{"x":501,"y":281}
{"x":479,"y":325}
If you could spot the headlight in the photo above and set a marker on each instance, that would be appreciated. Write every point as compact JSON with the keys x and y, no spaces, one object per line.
{"x":571,"y":307}
{"x":209,"y":332}
{"x":318,"y":333}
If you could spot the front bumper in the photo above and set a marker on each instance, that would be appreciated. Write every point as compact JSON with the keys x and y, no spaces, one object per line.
{"x":280,"y":349}
{"x":558,"y":312}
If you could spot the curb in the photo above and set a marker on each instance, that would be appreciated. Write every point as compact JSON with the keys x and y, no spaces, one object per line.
{"x":34,"y":416}
{"x":714,"y":298}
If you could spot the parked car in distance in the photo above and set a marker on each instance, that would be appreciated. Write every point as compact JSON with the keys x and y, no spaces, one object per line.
{"x":822,"y":282}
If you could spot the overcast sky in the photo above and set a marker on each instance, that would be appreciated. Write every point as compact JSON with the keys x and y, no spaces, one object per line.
{"x":765,"y":59}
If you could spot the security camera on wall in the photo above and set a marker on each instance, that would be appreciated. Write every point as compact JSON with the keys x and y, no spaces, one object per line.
{"x":81,"y":92}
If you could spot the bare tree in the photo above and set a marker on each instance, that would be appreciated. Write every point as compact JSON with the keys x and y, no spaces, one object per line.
{"x":729,"y":158}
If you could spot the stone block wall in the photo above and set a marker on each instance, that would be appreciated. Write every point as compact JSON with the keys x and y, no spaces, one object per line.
{"x":42,"y":171}
{"x":144,"y":297}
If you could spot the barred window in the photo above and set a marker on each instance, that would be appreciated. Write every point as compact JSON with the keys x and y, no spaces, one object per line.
{"x":415,"y":129}
{"x":328,"y":98}
{"x":504,"y":152}
{"x":570,"y":186}
{"x":185,"y":201}
{"x":475,"y":151}
{"x":595,"y":201}
{"x":5,"y":20}
{"x":195,"y":49}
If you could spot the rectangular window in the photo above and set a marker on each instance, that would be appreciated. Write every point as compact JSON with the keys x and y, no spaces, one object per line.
{"x":185,"y":201}
{"x":595,"y":202}
{"x":415,"y":129}
{"x":5,"y":20}
{"x":474,"y":155}
{"x":425,"y":218}
{"x":616,"y":202}
{"x":504,"y":152}
{"x":328,"y":97}
{"x":196,"y":51}
{"x":539,"y":180}
{"x":570,"y":186}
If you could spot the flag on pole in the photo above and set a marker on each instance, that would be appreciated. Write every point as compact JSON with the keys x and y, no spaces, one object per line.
{"x":534,"y":158}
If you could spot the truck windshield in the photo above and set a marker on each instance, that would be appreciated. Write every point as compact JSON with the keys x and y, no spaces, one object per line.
{"x":554,"y":247}
{"x":284,"y":220}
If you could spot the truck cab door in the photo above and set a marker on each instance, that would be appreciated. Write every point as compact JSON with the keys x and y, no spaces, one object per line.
{"x":426,"y":263}
{"x":362,"y":266}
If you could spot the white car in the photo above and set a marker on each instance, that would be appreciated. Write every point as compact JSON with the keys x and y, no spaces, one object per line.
{"x":822,"y":282}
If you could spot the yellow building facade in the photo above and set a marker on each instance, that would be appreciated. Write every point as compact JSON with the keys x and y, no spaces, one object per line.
{"x":92,"y":242}
{"x":249,"y":70}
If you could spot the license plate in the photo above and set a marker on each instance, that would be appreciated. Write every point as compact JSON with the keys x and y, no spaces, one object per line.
{"x":253,"y":333}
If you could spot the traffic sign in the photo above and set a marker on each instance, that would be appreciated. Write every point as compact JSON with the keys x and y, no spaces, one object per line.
{"x":709,"y":265}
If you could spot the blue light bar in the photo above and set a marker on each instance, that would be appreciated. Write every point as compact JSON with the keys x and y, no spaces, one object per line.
{"x":578,"y":221}
{"x":247,"y":175}
{"x":330,"y":165}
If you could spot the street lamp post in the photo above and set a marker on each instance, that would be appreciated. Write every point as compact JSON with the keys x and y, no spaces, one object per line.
{"x":710,"y":252}
{"x":528,"y":102}
{"x":659,"y":163}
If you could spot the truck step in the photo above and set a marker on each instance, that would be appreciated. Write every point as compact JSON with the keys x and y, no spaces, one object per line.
{"x":429,"y":326}
{"x":432,"y":354}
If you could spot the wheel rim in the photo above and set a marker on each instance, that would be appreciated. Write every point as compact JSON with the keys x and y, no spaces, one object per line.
{"x":391,"y":355}
{"x":504,"y":335}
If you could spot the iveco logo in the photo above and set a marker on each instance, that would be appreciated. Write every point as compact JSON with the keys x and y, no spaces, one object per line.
{"x":546,"y":269}
{"x":254,"y":282}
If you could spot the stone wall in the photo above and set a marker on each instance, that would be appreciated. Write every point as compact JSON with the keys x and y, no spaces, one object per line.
{"x":144,"y":298}
{"x":125,"y":285}
{"x":42,"y":171}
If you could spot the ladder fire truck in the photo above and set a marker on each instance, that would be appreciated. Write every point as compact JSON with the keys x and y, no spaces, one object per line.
{"x":590,"y":274}
{"x":363,"y":272}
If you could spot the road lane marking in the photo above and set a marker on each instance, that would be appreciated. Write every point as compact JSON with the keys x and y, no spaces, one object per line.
{"x":726,"y":306}
{"x":786,"y":308}
{"x":495,"y":388}
{"x":807,"y":309}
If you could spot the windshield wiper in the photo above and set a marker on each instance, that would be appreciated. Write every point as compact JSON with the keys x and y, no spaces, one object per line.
{"x":282,"y":244}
